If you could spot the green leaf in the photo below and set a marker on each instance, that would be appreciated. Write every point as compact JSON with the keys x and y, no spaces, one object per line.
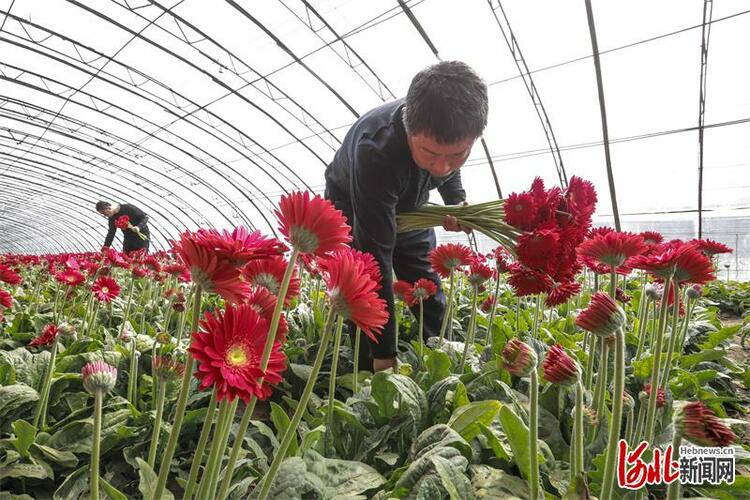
{"x":342,"y":477}
{"x":465,"y":419}
{"x":75,"y":485}
{"x":110,"y":491}
{"x":454,"y":480}
{"x":281,"y":421}
{"x":690,"y":360}
{"x":17,"y":470}
{"x":57,"y":457}
{"x":518,"y":438}
{"x":716,"y":338}
{"x":311,"y":438}
{"x":439,"y":436}
{"x":147,"y":480}
{"x":494,"y":443}
{"x":460,"y":397}
{"x":15,"y":399}
{"x":25,"y":436}
{"x":438,"y":366}
{"x":492,"y":483}
{"x":79,"y":346}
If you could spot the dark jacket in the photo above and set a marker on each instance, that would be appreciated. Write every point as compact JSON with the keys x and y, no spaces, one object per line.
{"x":130,"y":240}
{"x":372,"y":178}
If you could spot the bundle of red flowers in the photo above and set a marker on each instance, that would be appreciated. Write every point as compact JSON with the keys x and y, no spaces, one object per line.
{"x":122,"y":222}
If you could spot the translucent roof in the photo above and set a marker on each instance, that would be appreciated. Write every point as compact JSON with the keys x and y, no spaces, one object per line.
{"x":204,"y":113}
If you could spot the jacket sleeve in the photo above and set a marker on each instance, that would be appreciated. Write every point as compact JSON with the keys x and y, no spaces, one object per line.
{"x":374,"y":190}
{"x":110,"y":233}
{"x":452,"y":190}
{"x":138,"y":217}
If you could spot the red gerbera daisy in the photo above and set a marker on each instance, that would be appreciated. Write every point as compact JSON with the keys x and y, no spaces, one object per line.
{"x":602,"y":317}
{"x":502,"y":257}
{"x":599,"y":231}
{"x":371,"y":266}
{"x":264,"y":303}
{"x":559,"y":368}
{"x":401,"y":288}
{"x":152,"y":263}
{"x":213,"y":273}
{"x":652,"y":237}
{"x":527,"y":281}
{"x":612,"y":248}
{"x":139,"y":272}
{"x":122,"y":222}
{"x":450,"y":256}
{"x":174,"y":269}
{"x":520,"y":210}
{"x":581,"y":198}
{"x":240,"y":245}
{"x":699,"y":424}
{"x":9,"y":276}
{"x":423,"y":289}
{"x":684,"y":262}
{"x":710,"y":247}
{"x":479,"y":272}
{"x":269,"y":273}
{"x":70,"y":277}
{"x":518,"y":358}
{"x":353,"y":293}
{"x":536,"y":248}
{"x":486,"y":305}
{"x":561,"y":293}
{"x":229,"y":348}
{"x":49,"y":334}
{"x":6,"y":299}
{"x":105,"y":289}
{"x":312,"y":225}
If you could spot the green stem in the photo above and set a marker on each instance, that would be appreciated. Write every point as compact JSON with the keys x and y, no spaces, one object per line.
{"x":133,"y":374}
{"x":223,"y":425}
{"x":54,"y":307}
{"x":35,"y":305}
{"x":40,"y":416}
{"x":642,"y":321}
{"x":91,"y":328}
{"x":615,"y":423}
{"x":160,"y":394}
{"x":236,"y":448}
{"x":672,"y":340}
{"x":447,"y":315}
{"x":396,"y":321}
{"x":131,"y":286}
{"x":291,"y":430}
{"x":629,"y":423}
{"x":332,"y":379}
{"x":95,"y":444}
{"x":673,"y":490}
{"x":635,"y":438}
{"x":600,"y":382}
{"x":686,"y":324}
{"x":200,"y":451}
{"x":490,"y":337}
{"x":421,"y":332}
{"x":174,"y":435}
{"x":533,"y":432}
{"x":656,"y":368}
{"x":469,"y":340}
{"x":518,"y":314}
{"x":579,"y":424}
{"x":535,"y":327}
{"x":357,"y":340}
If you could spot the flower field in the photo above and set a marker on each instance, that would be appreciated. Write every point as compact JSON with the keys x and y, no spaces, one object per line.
{"x":228,"y":367}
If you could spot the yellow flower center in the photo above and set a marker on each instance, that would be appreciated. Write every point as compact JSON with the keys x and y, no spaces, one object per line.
{"x":105,"y":289}
{"x":236,"y":356}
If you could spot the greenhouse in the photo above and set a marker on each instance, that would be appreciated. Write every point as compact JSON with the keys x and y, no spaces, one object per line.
{"x":404,"y":249}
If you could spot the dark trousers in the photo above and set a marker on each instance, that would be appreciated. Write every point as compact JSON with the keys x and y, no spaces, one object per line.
{"x":132,"y":242}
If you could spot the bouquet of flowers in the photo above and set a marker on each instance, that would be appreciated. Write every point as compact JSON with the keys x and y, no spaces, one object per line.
{"x":123,"y":222}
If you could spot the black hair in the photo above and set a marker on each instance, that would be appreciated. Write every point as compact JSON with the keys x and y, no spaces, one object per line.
{"x":102,"y":205}
{"x":448,"y":102}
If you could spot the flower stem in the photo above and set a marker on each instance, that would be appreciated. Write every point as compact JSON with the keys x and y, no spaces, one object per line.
{"x":236,"y":448}
{"x":95,"y":444}
{"x":673,"y":490}
{"x":615,"y":422}
{"x":601,"y":382}
{"x":332,"y":379}
{"x":133,"y":374}
{"x":472,"y":326}
{"x":533,"y":432}
{"x":655,"y":369}
{"x":590,"y":361}
{"x":180,"y":408}
{"x":357,"y":340}
{"x":535,"y":327}
{"x":638,"y":431}
{"x":160,"y":394}
{"x":291,"y":430}
{"x":40,"y":416}
{"x":200,"y":451}
{"x":579,"y":424}
{"x":672,"y":340}
{"x":421,"y":332}
{"x":54,"y":306}
{"x":447,"y":315}
{"x":490,"y":337}
{"x":223,"y":424}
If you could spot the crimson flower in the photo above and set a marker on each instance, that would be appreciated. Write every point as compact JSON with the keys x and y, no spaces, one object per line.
{"x":401,"y":288}
{"x":502,"y":257}
{"x":166,"y":368}
{"x":353,"y":293}
{"x":612,"y":248}
{"x":701,"y":425}
{"x":240,"y":245}
{"x":6,"y":299}
{"x":49,"y":334}
{"x":117,"y":259}
{"x":559,"y":368}
{"x":561,"y":293}
{"x":682,"y":261}
{"x":371,"y":266}
{"x":450,"y":256}
{"x":312,"y":224}
{"x":518,"y":358}
{"x":581,"y":198}
{"x":212,"y":272}
{"x":122,"y":222}
{"x":269,"y":273}
{"x":139,"y":272}
{"x":9,"y":276}
{"x":423,"y":289}
{"x":652,"y":237}
{"x":520,"y":210}
{"x":710,"y":247}
{"x":174,"y":269}
{"x":661,"y":402}
{"x":264,"y":303}
{"x":621,"y":295}
{"x":536,"y":248}
{"x":479,"y":272}
{"x":486,"y":305}
{"x":229,"y":348}
{"x":152,"y":263}
{"x":599,"y":231}
{"x":105,"y":289}
{"x":527,"y":281}
{"x":70,"y":277}
{"x":602,"y":317}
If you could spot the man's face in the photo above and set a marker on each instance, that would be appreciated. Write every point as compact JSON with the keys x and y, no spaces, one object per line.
{"x":436,"y":158}
{"x":106,"y":212}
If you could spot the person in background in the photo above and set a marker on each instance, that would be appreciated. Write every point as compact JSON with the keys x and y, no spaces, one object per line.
{"x":132,"y":236}
{"x":390,"y":160}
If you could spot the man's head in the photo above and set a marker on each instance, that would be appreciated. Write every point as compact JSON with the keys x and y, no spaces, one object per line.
{"x":446,"y":111}
{"x":104,"y":208}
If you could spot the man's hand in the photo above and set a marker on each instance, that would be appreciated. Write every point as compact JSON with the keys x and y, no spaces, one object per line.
{"x":450,"y":223}
{"x":135,"y":229}
{"x":380,"y":364}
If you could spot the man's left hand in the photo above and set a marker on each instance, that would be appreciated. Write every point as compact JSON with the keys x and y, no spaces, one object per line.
{"x":450,"y":223}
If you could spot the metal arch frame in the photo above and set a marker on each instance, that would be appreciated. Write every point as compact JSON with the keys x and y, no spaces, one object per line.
{"x":27,"y":231}
{"x":708,"y":8}
{"x":130,"y":143}
{"x":161,"y":103}
{"x":536,"y":99}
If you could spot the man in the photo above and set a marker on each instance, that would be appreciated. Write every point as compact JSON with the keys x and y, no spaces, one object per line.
{"x":138,"y":220}
{"x":389,"y":161}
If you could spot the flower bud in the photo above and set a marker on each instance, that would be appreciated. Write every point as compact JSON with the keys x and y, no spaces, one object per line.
{"x":518,"y":358}
{"x":66,"y":329}
{"x":628,"y":401}
{"x":164,"y":338}
{"x":694,"y":292}
{"x":653,"y":292}
{"x":559,"y":368}
{"x":700,"y":425}
{"x":602,"y":317}
{"x":99,"y":376}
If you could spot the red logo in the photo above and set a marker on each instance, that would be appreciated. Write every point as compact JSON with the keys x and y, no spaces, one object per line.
{"x":633,"y":472}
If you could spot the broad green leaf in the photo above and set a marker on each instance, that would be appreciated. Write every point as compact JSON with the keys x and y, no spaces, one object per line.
{"x":465,"y":419}
{"x":494,"y":443}
{"x":492,"y":483}
{"x":460,"y":397}
{"x":438,"y":366}
{"x":690,"y":360}
{"x":15,"y":399}
{"x":342,"y":477}
{"x":75,"y":485}
{"x":716,"y":338}
{"x":281,"y":421}
{"x":518,"y":438}
{"x":56,"y":457}
{"x":311,"y":438}
{"x":110,"y":491}
{"x":147,"y":480}
{"x":25,"y":436}
{"x":17,"y":470}
{"x":454,"y":481}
